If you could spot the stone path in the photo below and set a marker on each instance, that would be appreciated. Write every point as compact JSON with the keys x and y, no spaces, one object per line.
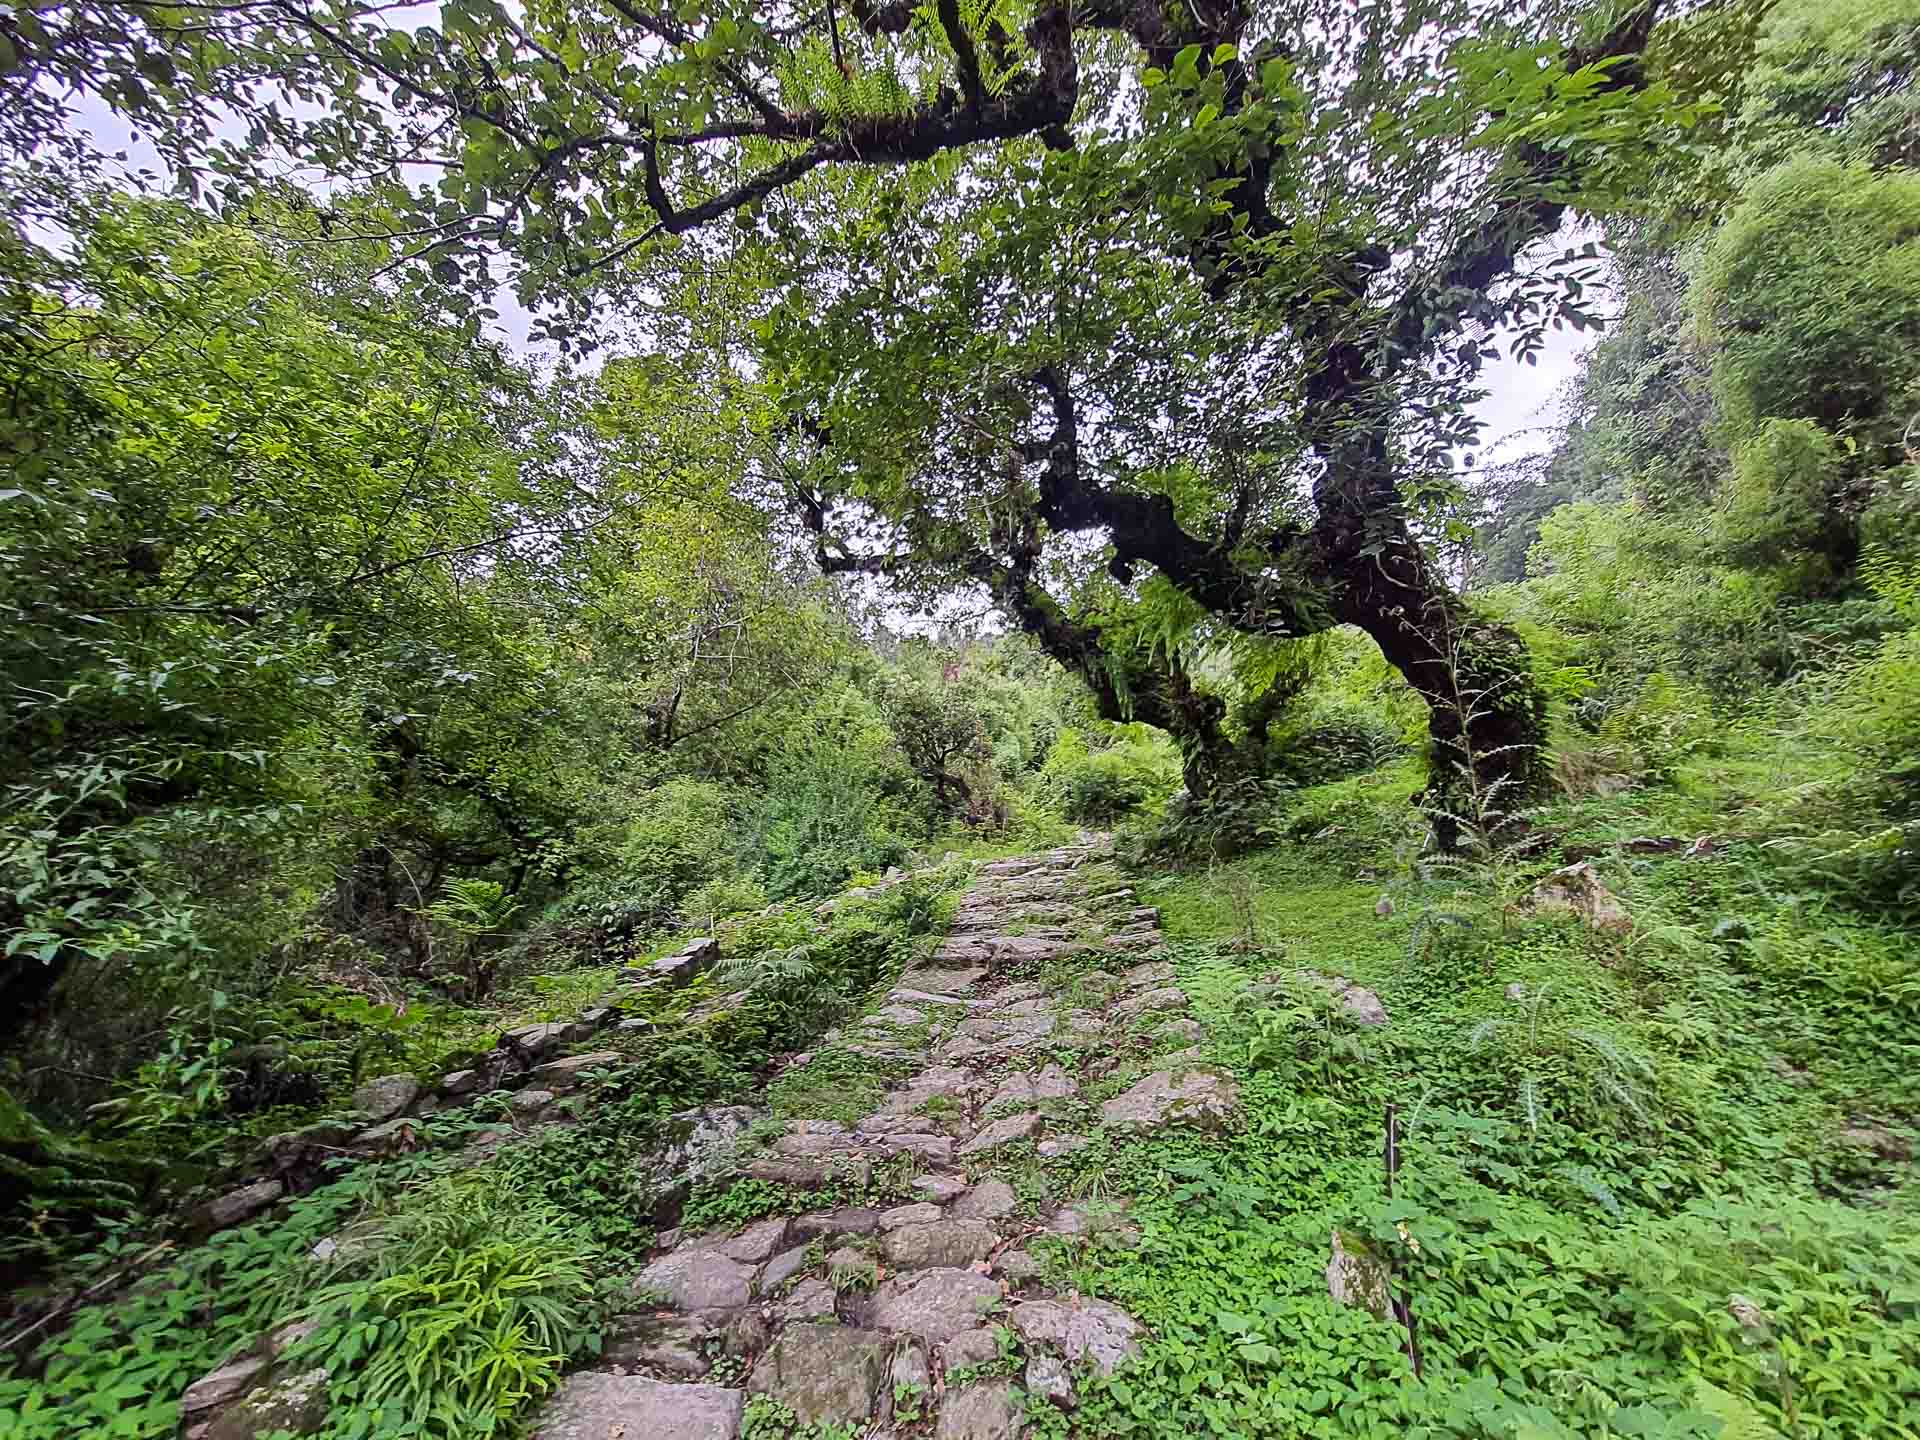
{"x":882,"y":1308}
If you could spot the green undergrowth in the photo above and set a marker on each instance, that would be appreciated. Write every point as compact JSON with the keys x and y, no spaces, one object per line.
{"x":1628,"y":1203}
{"x":458,"y":1296}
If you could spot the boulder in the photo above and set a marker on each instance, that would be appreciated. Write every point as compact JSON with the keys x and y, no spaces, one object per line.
{"x":832,"y":1224}
{"x":922,"y":1213}
{"x":459,"y":1082}
{"x":940,"y":1188}
{"x":1061,"y":1145}
{"x":970,"y":1348}
{"x":386,"y":1097}
{"x":933,"y":1149}
{"x":1578,"y":889}
{"x":758,"y":1242}
{"x":1103,"y":1335}
{"x":528,"y":1104}
{"x":296,"y":1405}
{"x":1884,"y":1143}
{"x":669,"y":1343}
{"x":1157,"y":972}
{"x":243,"y":1204}
{"x":1361,"y":1005}
{"x":935,"y":1305}
{"x":1359,"y":1278}
{"x":567,"y":1074}
{"x":702,"y":1279}
{"x":984,"y":1410}
{"x":812,"y":1299}
{"x":1168,"y":997}
{"x":824,"y":1374}
{"x":229,"y":1382}
{"x":1003,"y":1132}
{"x":782,"y":1268}
{"x":988,"y":1200}
{"x":1160,"y":1099}
{"x":597,"y":1407}
{"x":943,"y":1242}
{"x":536,"y":1042}
{"x":1047,"y":1380}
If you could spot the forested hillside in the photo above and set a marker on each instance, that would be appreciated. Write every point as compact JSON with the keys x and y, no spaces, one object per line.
{"x":821,"y":723}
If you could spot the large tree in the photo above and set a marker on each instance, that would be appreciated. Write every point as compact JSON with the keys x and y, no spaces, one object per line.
{"x":1152,"y":318}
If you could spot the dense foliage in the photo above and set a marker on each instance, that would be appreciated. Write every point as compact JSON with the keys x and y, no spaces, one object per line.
{"x":999,"y":420}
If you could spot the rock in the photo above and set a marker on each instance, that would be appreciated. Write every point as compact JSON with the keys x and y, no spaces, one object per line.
{"x":910,"y":1367}
{"x":888,"y":1123}
{"x":985,"y":1410}
{"x":283,"y":1339}
{"x":1361,"y":1005}
{"x":459,"y":1082}
{"x":1047,"y":1380}
{"x":1885,"y":1143}
{"x":924,"y":997}
{"x":392,"y":1137}
{"x":670,"y":1343}
{"x":228,"y":1382}
{"x":1061,"y":1145}
{"x":1157,"y":972}
{"x":935,"y":1305}
{"x":569,"y":1073}
{"x":593,"y":1406}
{"x":1016,"y":1266}
{"x":1170,"y":997}
{"x":757,"y":1242}
{"x":1094,"y":1217}
{"x":969,"y":1348}
{"x":599,"y":1017}
{"x":809,"y":1143}
{"x":536,"y":1041}
{"x":940,"y":1188}
{"x":296,"y":1405}
{"x":1003,"y":1132}
{"x":1092,"y":1330}
{"x":945,"y":982}
{"x":921,"y":1214}
{"x":824,"y":1373}
{"x":934,"y":1149}
{"x":1189,"y":1031}
{"x":697,"y":1280}
{"x":944,"y":1242}
{"x":1198,"y":1095}
{"x":782,"y":1268}
{"x":898,"y":1015}
{"x":988,"y":1200}
{"x":386,"y":1097}
{"x":634,"y":1026}
{"x":811,"y":1299}
{"x":983,"y":1034}
{"x":529,"y":1103}
{"x":832,"y":1224}
{"x":1049,"y":1083}
{"x":810,"y":1174}
{"x":1357,"y":1277}
{"x":745,"y":1332}
{"x":1029,"y":949}
{"x":242,"y":1204}
{"x":1578,"y":888}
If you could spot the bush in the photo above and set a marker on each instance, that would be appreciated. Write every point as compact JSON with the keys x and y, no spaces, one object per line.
{"x":679,"y":836}
{"x":1139,"y":772}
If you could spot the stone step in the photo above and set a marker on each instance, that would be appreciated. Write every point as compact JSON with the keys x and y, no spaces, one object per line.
{"x":594,"y":1406}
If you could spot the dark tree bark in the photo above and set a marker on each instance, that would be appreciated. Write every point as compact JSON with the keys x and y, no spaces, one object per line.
{"x":1359,"y":562}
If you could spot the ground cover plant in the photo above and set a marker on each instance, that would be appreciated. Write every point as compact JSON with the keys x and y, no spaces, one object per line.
{"x":914,"y":438}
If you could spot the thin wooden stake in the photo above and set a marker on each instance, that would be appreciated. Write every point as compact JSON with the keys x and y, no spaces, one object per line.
{"x":1402,"y":1309}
